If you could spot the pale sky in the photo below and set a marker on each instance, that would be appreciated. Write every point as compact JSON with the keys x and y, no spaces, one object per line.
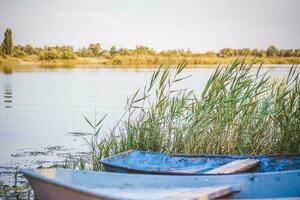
{"x":200,"y":25}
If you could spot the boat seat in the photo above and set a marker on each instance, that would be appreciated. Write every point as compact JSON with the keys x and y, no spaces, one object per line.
{"x":204,"y":193}
{"x":235,"y":167}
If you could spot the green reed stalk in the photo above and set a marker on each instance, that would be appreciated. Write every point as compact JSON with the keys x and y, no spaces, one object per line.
{"x":238,"y":112}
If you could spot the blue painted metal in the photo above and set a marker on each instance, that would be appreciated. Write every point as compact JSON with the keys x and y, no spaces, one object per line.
{"x":53,"y":184}
{"x":163,"y":163}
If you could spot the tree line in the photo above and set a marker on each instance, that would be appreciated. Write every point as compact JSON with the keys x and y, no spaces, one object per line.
{"x":95,"y":50}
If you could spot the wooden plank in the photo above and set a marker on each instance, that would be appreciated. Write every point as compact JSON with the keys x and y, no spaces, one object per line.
{"x":235,"y":166}
{"x":204,"y":193}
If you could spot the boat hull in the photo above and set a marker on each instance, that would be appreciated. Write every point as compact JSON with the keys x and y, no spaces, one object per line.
{"x":49,"y":191}
{"x":50,"y":184}
{"x":176,"y":164}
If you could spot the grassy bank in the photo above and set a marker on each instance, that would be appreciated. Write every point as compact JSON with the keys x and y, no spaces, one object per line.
{"x":10,"y":64}
{"x":238,"y":112}
{"x":192,"y":60}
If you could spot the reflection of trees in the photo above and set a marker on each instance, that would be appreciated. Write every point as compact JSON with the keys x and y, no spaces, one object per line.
{"x":7,"y":96}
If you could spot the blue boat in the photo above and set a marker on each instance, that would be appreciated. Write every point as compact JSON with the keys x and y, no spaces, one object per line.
{"x":183,"y":164}
{"x":64,"y":184}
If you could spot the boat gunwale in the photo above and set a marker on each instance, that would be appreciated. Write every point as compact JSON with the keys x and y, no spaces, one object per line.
{"x":32,"y":174}
{"x":145,"y":171}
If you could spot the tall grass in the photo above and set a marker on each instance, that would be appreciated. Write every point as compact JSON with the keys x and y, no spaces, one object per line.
{"x":240,"y":111}
{"x":192,"y":60}
{"x":9,"y":64}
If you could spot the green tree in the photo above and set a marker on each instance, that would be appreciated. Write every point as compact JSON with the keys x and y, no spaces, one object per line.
{"x":254,"y":52}
{"x":272,"y":51}
{"x":113,"y":50}
{"x":7,"y":44}
{"x":289,"y":53}
{"x":125,"y":52}
{"x":226,"y":52}
{"x":95,"y":48}
{"x":18,"y":51}
{"x":297,"y":53}
{"x":84,"y":52}
{"x":29,"y":50}
{"x":67,"y":53}
{"x":143,"y":50}
{"x":50,"y":54}
{"x":261,"y":53}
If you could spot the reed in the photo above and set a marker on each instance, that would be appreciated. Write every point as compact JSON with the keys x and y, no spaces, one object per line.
{"x":240,"y":111}
{"x":19,"y":190}
{"x":145,"y":60}
{"x":32,"y":62}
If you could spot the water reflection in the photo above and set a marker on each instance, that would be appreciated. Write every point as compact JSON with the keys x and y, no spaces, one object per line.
{"x":7,"y":97}
{"x":7,"y":70}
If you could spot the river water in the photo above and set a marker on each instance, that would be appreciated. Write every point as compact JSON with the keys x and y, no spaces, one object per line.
{"x":41,"y":111}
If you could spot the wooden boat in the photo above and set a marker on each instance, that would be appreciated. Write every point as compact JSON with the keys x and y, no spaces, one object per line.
{"x":64,"y":184}
{"x":176,"y":164}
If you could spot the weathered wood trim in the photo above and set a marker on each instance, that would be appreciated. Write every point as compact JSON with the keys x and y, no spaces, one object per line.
{"x":235,"y":166}
{"x":205,"y":193}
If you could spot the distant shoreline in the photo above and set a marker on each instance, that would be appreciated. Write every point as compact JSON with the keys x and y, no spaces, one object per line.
{"x":31,"y":63}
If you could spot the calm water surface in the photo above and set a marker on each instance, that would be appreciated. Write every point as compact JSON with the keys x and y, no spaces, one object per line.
{"x":40,"y":110}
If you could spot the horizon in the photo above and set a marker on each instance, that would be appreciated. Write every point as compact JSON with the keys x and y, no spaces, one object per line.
{"x":200,"y":26}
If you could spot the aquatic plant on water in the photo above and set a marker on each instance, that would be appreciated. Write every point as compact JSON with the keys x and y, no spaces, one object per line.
{"x":19,"y":189}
